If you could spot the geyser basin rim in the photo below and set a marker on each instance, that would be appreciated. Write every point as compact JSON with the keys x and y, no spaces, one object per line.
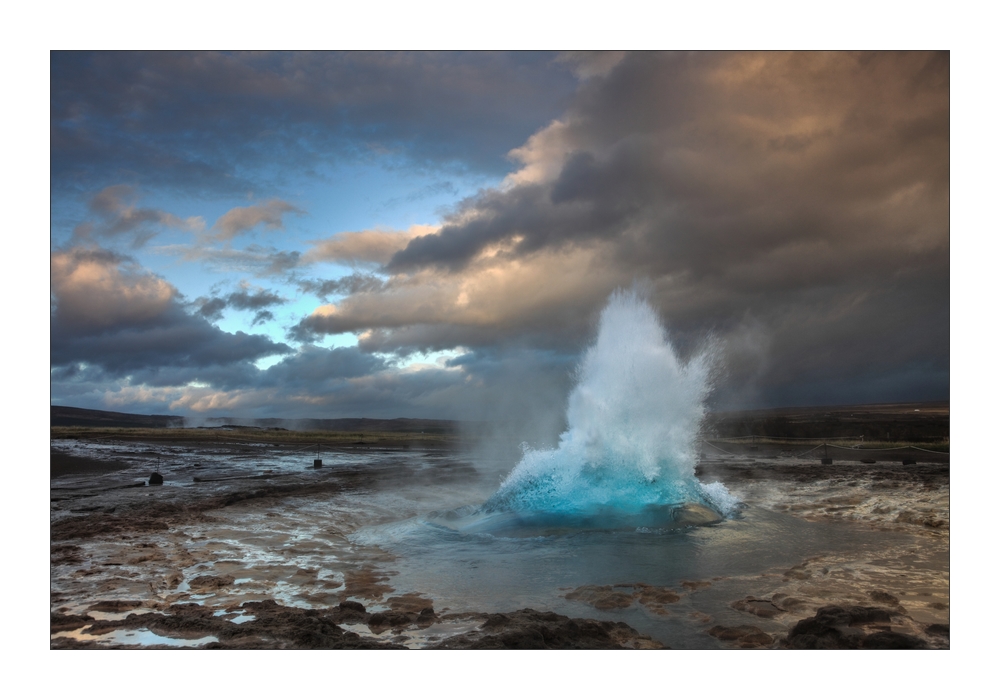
{"x":658,"y":517}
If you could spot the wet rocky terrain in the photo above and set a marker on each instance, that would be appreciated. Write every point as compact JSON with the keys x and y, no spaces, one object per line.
{"x":246,"y":545}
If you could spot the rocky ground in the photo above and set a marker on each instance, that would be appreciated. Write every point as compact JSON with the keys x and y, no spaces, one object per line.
{"x":125,"y":568}
{"x":268,"y":625}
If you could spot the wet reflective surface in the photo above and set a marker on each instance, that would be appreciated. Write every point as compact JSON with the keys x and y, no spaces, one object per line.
{"x":250,"y":522}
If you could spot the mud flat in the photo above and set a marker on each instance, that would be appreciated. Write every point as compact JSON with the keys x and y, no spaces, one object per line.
{"x":246,"y":545}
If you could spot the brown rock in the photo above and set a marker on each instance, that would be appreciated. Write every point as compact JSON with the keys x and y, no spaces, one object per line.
{"x":745,"y":636}
{"x":836,"y":627}
{"x":883,"y":597}
{"x":114,"y":606}
{"x":64,"y":623}
{"x":352,"y":605}
{"x":757,"y":606}
{"x":210,"y":582}
{"x":530,"y":629}
{"x":695,"y":585}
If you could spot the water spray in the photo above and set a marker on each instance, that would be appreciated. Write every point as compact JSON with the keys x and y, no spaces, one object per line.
{"x":634,"y":418}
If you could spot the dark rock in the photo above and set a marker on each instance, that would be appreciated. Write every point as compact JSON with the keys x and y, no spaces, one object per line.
{"x":398,"y":619}
{"x":352,"y":605}
{"x":114,"y":606}
{"x":746,"y":636}
{"x":64,"y":623}
{"x":925,"y":519}
{"x":613,"y":601}
{"x":883,"y":597}
{"x":836,"y":627}
{"x":757,"y":606}
{"x":280,"y":627}
{"x":602,"y":597}
{"x":937,"y":630}
{"x":653,"y":597}
{"x":210,"y":582}
{"x":66,"y":554}
{"x":155,"y":479}
{"x":695,"y":585}
{"x":409,"y":602}
{"x":530,"y":629}
{"x":892,"y":640}
{"x":787,"y":603}
{"x":622,"y":595}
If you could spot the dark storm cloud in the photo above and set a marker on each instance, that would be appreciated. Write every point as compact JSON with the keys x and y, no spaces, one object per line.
{"x":205,"y":120}
{"x":244,"y":300}
{"x":338,"y":382}
{"x":354,"y":283}
{"x":173,"y":338}
{"x":708,"y":158}
{"x":212,"y":308}
{"x":792,"y":207}
{"x":262,"y":317}
{"x":311,"y":366}
{"x":529,"y":382}
{"x":801,"y":191}
{"x":500,"y":215}
{"x":119,"y":216}
{"x":252,"y":301}
{"x":81,"y":377}
{"x":109,"y":313}
{"x":551,"y":303}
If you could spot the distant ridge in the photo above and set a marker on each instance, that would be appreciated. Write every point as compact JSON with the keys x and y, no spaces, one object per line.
{"x":85,"y":417}
{"x":901,"y":421}
{"x":88,"y":418}
{"x":894,"y":422}
{"x":343,"y":425}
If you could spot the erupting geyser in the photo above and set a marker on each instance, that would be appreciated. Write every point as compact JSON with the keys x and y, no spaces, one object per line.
{"x":633,"y":419}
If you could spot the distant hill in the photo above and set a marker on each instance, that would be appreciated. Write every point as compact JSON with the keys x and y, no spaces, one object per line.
{"x":913,"y":422}
{"x":87,"y":418}
{"x":896,"y":422}
{"x":344,"y":425}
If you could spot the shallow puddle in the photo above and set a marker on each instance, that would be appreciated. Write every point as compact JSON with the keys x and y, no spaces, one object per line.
{"x":141,"y":636}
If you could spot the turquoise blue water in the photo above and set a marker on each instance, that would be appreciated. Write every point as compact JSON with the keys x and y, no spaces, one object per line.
{"x":633,"y":420}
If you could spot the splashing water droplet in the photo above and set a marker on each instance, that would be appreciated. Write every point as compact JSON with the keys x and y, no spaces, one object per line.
{"x":633,"y":419}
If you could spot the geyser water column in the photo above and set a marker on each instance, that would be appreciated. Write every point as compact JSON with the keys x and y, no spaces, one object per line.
{"x":633,"y":417}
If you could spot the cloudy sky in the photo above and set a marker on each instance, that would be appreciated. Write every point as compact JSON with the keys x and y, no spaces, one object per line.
{"x":434,"y":234}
